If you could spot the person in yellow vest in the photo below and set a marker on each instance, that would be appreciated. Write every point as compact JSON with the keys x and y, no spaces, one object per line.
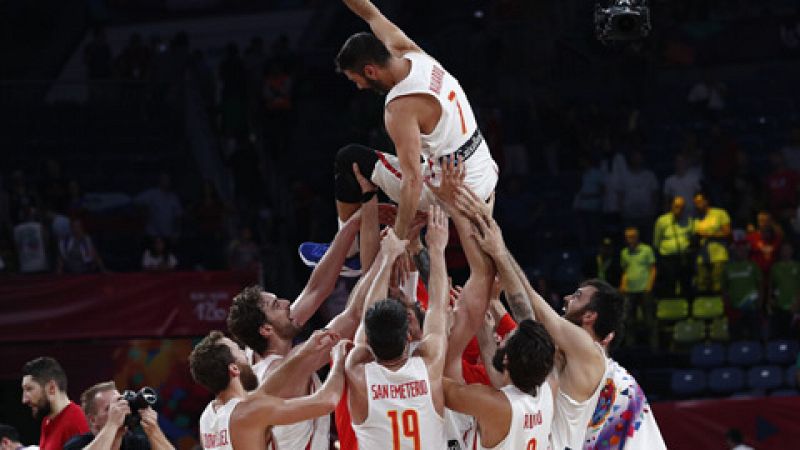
{"x":638,"y":276}
{"x":672,"y":240}
{"x":713,"y":229}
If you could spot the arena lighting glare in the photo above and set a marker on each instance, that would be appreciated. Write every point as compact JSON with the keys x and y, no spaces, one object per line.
{"x":622,"y":20}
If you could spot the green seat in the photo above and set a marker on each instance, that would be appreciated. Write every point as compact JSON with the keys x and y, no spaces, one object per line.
{"x":718,"y":330}
{"x":672,"y":309}
{"x":689,"y":331}
{"x":708,"y":308}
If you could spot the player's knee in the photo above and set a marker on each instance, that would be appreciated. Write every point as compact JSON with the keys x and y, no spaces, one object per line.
{"x":349,"y":154}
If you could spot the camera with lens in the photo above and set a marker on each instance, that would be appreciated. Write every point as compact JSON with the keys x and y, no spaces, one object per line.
{"x":622,"y":20}
{"x":138,"y":401}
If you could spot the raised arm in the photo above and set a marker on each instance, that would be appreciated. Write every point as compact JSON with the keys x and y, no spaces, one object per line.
{"x":323,"y":277}
{"x":346,"y":322}
{"x":392,"y":37}
{"x":299,"y":365}
{"x":391,"y":248}
{"x":570,"y":338}
{"x":433,"y":347}
{"x":403,"y":128}
{"x":269,"y":410}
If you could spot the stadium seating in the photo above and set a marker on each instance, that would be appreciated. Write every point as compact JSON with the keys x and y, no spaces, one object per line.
{"x":718,"y":330}
{"x":781,"y":352}
{"x":707,"y":308}
{"x":791,"y":377}
{"x":785,"y":393}
{"x":708,"y":355}
{"x":672,"y":309}
{"x":689,"y":331}
{"x":744,"y":353}
{"x":726,"y":380}
{"x":688,"y":382}
{"x":765,"y":378}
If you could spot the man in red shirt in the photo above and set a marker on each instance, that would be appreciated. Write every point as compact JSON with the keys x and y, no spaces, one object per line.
{"x":44,"y":390}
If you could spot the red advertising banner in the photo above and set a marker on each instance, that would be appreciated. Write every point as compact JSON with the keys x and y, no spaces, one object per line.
{"x":102,"y":306}
{"x":766,"y":423}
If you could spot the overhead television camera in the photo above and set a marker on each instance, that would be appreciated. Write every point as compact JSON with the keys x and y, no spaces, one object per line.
{"x":621,"y":20}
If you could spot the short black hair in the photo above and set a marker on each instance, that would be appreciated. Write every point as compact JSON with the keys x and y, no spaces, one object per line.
{"x":386,"y":324}
{"x":245,"y":318}
{"x":209,"y":363}
{"x":359,"y":50}
{"x":45,"y":369}
{"x":7,"y":431}
{"x":530,"y":351}
{"x":609,"y":305}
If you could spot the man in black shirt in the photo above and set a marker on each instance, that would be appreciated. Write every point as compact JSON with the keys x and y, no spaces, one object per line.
{"x":105,"y":411}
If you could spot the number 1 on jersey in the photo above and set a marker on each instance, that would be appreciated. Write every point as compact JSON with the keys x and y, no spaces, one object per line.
{"x":531,"y":444}
{"x":410,"y":424}
{"x":452,"y":97}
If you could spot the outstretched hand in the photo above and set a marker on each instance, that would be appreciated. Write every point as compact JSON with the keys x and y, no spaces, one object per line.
{"x":339,"y":352}
{"x":453,"y":174}
{"x":471,"y":205}
{"x":321,"y":340}
{"x":489,"y":236}
{"x":438,"y":229}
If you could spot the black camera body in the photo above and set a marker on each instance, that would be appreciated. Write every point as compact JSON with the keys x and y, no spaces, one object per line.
{"x":622,"y":20}
{"x":137,"y":401}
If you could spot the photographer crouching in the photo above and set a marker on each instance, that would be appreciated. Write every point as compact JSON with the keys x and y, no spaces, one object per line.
{"x":119,"y":421}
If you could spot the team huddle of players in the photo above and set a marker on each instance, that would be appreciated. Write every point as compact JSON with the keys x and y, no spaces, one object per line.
{"x":445,"y":370}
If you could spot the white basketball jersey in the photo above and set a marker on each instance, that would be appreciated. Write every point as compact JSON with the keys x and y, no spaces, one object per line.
{"x":457,"y":123}
{"x":306,"y":435}
{"x":215,"y":425}
{"x":401,"y":414}
{"x":531,"y":418}
{"x":572,"y":418}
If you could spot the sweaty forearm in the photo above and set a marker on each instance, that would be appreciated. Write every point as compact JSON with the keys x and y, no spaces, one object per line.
{"x":158,"y":441}
{"x":362,"y":8}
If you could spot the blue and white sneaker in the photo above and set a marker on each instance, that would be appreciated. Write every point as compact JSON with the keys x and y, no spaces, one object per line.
{"x":311,"y":253}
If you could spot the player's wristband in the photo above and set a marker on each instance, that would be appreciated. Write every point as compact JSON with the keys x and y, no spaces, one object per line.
{"x":367,"y":196}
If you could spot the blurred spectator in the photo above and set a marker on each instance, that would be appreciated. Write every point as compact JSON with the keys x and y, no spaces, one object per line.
{"x":682,"y":183}
{"x":765,"y":242}
{"x":278,"y":102}
{"x":588,"y":202}
{"x":718,"y":162}
{"x":791,"y":151}
{"x":53,"y":187}
{"x":157,"y":258}
{"x":735,"y":440}
{"x":76,"y":253}
{"x":745,"y":189}
{"x":44,"y":390}
{"x":615,"y":167}
{"x":741,"y":290}
{"x":234,"y":84}
{"x":639,"y":195}
{"x":30,"y":239}
{"x":713,"y":229}
{"x":97,"y":56}
{"x":782,"y":186}
{"x":639,"y":274}
{"x":163,"y":209}
{"x":784,"y":294}
{"x":790,"y":36}
{"x":21,"y":197}
{"x":672,"y":239}
{"x":243,"y":252}
{"x":76,"y":204}
{"x":605,"y":265}
{"x":9,"y":439}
